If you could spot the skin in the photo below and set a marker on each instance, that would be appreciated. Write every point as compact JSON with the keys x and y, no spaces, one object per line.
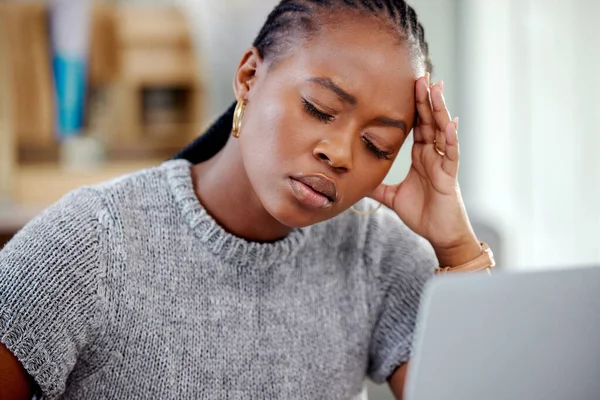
{"x":15,"y":384}
{"x":246,"y":187}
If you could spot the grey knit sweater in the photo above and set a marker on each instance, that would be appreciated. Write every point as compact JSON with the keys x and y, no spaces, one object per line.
{"x":130,"y":290}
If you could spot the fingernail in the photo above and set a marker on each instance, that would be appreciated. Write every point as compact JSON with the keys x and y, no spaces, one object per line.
{"x":441,"y":85}
{"x":456,"y":123}
{"x":427,"y":77}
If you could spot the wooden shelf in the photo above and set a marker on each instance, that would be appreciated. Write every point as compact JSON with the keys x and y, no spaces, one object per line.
{"x":42,"y":184}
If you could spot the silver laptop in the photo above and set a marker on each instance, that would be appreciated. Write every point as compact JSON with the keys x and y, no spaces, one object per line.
{"x":511,"y":336}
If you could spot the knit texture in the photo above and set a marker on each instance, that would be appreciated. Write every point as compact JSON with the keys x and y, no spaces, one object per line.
{"x":130,"y":290}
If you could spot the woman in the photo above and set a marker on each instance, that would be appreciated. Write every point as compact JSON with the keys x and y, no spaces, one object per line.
{"x":243,"y":274}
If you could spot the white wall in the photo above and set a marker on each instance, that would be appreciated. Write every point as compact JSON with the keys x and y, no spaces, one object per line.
{"x":529,"y":70}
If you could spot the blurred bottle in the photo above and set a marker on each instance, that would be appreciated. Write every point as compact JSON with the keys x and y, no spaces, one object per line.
{"x":69,"y":33}
{"x":70,"y":26}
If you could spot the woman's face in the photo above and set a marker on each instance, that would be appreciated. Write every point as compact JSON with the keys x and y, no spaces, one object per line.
{"x":323,"y":125}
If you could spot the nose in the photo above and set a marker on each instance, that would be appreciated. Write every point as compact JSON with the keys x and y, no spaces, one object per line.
{"x":337,"y":154}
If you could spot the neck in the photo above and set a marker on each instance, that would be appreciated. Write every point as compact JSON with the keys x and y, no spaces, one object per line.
{"x":222,"y":186}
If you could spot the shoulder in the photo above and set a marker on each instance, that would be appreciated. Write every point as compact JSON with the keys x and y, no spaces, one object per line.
{"x":98,"y":202}
{"x":78,"y":211}
{"x":148,"y":190}
{"x":146,"y":183}
{"x":91,"y":218}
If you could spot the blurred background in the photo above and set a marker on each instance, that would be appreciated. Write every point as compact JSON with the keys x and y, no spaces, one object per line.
{"x":89,"y":91}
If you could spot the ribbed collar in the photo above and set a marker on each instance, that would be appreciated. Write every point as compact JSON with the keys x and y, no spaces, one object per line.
{"x":229,"y":248}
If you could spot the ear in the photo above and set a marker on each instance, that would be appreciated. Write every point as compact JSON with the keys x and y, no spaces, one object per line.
{"x":246,"y":74}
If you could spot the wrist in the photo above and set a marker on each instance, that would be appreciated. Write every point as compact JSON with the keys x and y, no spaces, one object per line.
{"x":458,"y":254}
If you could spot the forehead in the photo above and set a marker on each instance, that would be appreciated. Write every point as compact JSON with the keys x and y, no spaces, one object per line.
{"x":363,"y":56}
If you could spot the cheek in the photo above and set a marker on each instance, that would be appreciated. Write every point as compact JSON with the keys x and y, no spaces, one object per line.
{"x":368,"y":173}
{"x":366,"y":178}
{"x":277,"y":132}
{"x":269,"y":139}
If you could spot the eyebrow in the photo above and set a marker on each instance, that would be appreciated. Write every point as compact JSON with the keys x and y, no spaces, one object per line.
{"x":328,"y":83}
{"x":394,"y":123}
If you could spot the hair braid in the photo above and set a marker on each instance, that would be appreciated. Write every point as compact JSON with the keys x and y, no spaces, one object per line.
{"x":296,"y":18}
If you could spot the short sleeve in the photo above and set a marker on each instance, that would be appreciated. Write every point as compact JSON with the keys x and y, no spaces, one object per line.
{"x":48,"y":289}
{"x":402,"y":263}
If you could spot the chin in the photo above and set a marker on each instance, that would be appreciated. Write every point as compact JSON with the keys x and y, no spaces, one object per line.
{"x":295,"y":216}
{"x":283,"y":205}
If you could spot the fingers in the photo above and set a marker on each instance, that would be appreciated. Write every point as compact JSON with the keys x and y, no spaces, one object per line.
{"x":451,"y":158}
{"x":440,"y":114}
{"x":433,"y":115}
{"x":426,"y":122}
{"x":435,"y":125}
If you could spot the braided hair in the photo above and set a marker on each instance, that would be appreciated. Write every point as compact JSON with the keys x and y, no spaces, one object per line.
{"x":294,"y":19}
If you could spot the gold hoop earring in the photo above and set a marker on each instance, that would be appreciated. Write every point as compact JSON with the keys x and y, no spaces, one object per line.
{"x":370,"y":212}
{"x":238,"y":115}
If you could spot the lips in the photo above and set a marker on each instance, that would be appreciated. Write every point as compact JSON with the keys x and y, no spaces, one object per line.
{"x":320,"y":184}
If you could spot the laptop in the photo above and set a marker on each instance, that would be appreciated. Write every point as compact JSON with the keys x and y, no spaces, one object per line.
{"x":511,"y":336}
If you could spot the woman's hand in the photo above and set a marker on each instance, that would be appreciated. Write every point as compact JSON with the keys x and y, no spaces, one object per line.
{"x":429,"y":200}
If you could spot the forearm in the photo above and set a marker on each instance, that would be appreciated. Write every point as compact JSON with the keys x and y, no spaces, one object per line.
{"x":398,"y":380}
{"x":14,"y":381}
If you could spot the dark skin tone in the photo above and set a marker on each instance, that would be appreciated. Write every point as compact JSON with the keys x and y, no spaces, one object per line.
{"x":340,"y":106}
{"x":15,"y":384}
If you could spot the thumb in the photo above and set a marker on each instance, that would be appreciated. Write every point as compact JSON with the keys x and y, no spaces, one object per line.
{"x":385,"y":194}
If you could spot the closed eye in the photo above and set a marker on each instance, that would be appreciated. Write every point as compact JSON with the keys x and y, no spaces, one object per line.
{"x":328,"y":118}
{"x":316,"y":113}
{"x":384,"y":155}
